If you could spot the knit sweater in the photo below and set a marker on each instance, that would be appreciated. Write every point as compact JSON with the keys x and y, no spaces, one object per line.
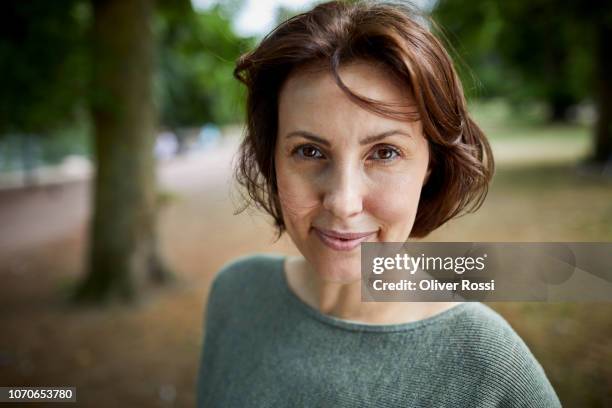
{"x":265,"y":347}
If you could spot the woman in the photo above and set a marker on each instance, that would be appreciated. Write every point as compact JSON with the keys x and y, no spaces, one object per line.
{"x":357,"y":131}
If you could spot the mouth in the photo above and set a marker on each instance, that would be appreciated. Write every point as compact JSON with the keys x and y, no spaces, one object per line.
{"x":342,"y":241}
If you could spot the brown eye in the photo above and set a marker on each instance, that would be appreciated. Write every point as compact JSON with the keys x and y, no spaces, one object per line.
{"x":385,"y":153}
{"x":308,"y":152}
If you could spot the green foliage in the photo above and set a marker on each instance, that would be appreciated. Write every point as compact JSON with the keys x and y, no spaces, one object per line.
{"x":541,"y":50}
{"x":549,"y":52}
{"x":44,"y":64}
{"x":471,"y":33}
{"x":45,"y":86}
{"x":197,"y":53}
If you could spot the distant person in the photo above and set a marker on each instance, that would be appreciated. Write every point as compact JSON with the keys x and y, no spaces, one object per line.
{"x":357,"y":131}
{"x":209,"y":136}
{"x":166,"y":145}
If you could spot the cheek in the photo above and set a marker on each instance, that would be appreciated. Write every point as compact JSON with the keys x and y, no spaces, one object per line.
{"x":296,"y":194}
{"x":394,"y":202}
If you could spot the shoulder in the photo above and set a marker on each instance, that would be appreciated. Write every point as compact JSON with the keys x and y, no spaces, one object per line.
{"x":237,"y":289}
{"x":484,"y":325}
{"x":244,"y":278}
{"x":236,"y":273}
{"x":488,"y":333}
{"x":504,"y":362}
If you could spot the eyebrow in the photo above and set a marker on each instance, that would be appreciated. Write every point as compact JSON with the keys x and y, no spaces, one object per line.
{"x":366,"y":140}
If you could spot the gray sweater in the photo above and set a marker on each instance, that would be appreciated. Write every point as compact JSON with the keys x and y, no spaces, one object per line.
{"x":265,"y":347}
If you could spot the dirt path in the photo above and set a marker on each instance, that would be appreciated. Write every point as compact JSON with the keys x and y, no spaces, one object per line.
{"x":33,"y":216}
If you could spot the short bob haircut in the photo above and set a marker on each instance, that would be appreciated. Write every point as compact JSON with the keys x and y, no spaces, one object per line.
{"x":390,"y":35}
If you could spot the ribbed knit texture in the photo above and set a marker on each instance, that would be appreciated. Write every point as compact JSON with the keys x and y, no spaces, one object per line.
{"x":265,"y":347}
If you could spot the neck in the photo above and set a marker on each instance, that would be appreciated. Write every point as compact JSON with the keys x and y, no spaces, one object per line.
{"x":343,"y":300}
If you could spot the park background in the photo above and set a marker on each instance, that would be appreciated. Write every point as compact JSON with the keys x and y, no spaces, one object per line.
{"x":104,"y":283}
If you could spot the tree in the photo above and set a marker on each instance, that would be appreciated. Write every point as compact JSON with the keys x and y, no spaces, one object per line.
{"x":123,"y":252}
{"x":59,"y":57}
{"x":556,"y":52}
{"x":511,"y":48}
{"x":196,"y":54}
{"x":602,"y":152}
{"x":44,"y":68}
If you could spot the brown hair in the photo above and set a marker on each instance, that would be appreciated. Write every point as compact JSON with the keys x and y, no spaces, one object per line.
{"x":336,"y":33}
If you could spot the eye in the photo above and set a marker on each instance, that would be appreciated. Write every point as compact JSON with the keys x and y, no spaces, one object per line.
{"x":386,"y":153}
{"x":308,"y":152}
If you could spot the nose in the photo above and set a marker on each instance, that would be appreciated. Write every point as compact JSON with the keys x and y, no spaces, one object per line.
{"x":343,"y":191}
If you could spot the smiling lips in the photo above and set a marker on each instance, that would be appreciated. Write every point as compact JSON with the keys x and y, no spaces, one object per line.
{"x":342,"y":241}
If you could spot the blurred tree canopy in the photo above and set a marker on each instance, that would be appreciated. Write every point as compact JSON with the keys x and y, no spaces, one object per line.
{"x":523,"y":50}
{"x":44,"y":64}
{"x":536,"y":50}
{"x":196,"y":55}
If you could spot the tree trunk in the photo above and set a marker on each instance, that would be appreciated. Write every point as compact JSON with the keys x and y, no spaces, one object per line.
{"x":559,"y":106}
{"x":603,"y":131}
{"x":123,"y":255}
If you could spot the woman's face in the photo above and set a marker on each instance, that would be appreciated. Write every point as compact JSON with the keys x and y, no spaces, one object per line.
{"x":342,"y":168}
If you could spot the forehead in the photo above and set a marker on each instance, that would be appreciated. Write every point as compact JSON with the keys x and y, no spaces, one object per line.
{"x":310,"y":96}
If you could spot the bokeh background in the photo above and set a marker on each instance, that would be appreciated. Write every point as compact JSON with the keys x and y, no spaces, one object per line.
{"x":103,"y":281}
